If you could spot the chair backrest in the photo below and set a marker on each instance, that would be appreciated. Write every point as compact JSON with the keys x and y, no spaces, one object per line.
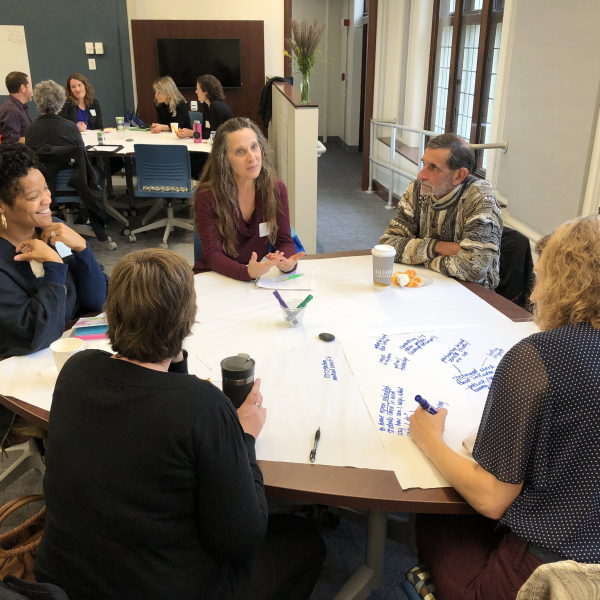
{"x":163,"y":167}
{"x":196,"y":116}
{"x":516,"y":267}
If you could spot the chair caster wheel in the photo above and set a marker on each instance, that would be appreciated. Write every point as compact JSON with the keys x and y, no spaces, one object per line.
{"x":133,"y":213}
{"x":164,"y":246}
{"x":132,"y":238}
{"x":111,"y":245}
{"x":126,"y":231}
{"x":125,"y":213}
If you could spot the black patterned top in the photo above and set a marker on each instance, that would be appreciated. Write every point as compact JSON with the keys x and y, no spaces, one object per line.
{"x":470,"y":215}
{"x":541,"y":426}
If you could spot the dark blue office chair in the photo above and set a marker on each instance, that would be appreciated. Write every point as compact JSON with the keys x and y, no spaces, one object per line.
{"x":68,"y":200}
{"x":196,"y":116}
{"x":163,"y":172}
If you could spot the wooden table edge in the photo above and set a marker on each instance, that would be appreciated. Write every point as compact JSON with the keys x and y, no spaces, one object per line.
{"x":391,"y":497}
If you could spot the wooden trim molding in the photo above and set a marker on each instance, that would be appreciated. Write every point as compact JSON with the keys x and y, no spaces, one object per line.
{"x":293,"y":95}
{"x":369,"y":90}
{"x":287,"y":34}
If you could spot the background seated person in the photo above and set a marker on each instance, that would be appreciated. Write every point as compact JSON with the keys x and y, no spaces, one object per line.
{"x":537,"y":452}
{"x":448,"y":220}
{"x":241,"y":206}
{"x":40,"y":292}
{"x":14,"y":113}
{"x":171,"y":106}
{"x":158,"y":469}
{"x":210,"y":91}
{"x":81,"y":107}
{"x":50,"y":128}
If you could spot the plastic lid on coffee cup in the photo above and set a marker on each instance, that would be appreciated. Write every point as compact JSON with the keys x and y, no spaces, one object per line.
{"x":383,"y":250}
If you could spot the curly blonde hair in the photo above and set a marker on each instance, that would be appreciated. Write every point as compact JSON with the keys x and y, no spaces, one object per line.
{"x":568,"y":276}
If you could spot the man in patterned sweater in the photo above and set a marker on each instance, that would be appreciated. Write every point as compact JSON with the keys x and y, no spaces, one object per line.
{"x":448,"y":220}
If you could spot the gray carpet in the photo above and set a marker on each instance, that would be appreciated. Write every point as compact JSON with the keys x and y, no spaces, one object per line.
{"x":348,"y":219}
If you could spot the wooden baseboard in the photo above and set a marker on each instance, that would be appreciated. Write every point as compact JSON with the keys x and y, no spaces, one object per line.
{"x":383,"y":192}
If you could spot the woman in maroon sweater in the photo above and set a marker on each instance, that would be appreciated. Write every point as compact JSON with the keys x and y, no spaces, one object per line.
{"x":241,"y":207}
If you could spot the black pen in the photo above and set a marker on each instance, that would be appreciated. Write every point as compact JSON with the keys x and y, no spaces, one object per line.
{"x":313,"y":452}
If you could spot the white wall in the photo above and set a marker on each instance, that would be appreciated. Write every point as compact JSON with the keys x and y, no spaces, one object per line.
{"x":325,"y":78}
{"x":269,"y":11}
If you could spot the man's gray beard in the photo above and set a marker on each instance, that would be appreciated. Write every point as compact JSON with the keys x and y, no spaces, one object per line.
{"x":441,"y":191}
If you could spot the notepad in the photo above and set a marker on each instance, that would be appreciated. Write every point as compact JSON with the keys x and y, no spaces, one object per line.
{"x":272,"y":280}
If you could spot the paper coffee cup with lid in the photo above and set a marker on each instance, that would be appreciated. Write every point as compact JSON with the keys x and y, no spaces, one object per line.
{"x":383,"y":265}
{"x":64,"y":348}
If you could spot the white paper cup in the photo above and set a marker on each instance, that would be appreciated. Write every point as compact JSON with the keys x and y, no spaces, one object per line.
{"x":63,"y":349}
{"x":175,"y":128}
{"x":383,"y":265}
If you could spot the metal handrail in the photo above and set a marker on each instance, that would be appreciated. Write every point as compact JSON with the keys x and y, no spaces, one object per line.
{"x":423,"y":133}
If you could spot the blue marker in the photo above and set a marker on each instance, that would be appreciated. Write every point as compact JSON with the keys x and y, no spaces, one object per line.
{"x":425,"y":405}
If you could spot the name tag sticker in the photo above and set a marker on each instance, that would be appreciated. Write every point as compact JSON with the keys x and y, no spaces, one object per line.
{"x":62,"y":249}
{"x":92,"y":112}
{"x":264,"y":229}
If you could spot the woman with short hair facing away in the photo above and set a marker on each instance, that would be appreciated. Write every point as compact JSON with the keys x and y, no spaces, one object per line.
{"x":152,"y":485}
{"x":171,"y":106}
{"x":537,"y":453}
{"x":81,"y":107}
{"x":210,"y":91}
{"x":50,"y":128}
{"x":241,"y":207}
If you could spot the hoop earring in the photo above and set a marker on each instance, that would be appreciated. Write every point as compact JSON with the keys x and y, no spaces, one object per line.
{"x":4,"y":223}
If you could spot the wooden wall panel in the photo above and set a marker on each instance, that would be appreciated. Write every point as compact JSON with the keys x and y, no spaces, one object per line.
{"x":243,"y":101}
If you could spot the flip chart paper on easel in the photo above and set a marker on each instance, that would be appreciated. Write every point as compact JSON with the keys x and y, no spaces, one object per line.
{"x":309,"y":387}
{"x":451,"y":369}
{"x":13,"y":53}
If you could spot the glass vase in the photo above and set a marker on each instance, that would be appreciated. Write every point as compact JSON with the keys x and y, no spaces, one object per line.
{"x":304,"y":88}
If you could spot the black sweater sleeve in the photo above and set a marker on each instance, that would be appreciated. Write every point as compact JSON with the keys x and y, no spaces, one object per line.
{"x":183,"y":116}
{"x":95,"y":121}
{"x":231,"y":504}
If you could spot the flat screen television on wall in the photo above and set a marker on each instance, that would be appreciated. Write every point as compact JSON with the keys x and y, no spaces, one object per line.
{"x":187,"y":59}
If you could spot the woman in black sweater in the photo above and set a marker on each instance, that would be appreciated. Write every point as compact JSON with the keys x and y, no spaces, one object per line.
{"x":81,"y":107}
{"x":152,"y":485}
{"x":171,"y":106}
{"x":210,"y":91}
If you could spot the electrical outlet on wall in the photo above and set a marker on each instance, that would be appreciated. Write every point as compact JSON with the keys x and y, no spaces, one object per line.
{"x":194,"y":105}
{"x":99,"y":47}
{"x":92,"y":64}
{"x":89,"y":47}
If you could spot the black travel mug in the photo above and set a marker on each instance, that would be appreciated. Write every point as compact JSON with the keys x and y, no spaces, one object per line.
{"x":238,"y":377}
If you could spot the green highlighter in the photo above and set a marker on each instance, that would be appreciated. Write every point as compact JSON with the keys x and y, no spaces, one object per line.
{"x":304,"y":302}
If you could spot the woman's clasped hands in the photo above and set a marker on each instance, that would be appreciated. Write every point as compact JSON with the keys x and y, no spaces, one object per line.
{"x":39,"y":250}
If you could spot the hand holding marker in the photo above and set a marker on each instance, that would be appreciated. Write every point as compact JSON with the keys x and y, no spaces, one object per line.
{"x":425,"y":405}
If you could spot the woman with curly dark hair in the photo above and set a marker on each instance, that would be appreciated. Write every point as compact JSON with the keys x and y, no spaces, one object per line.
{"x":210,"y":91}
{"x":40,"y":289}
{"x":81,"y":107}
{"x":241,"y":207}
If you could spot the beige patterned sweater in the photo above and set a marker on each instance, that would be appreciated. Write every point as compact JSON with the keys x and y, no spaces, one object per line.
{"x":470,"y":215}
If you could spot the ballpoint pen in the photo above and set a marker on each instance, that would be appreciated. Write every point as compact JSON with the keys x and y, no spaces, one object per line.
{"x":313,"y":452}
{"x":291,"y":277}
{"x":425,"y":405}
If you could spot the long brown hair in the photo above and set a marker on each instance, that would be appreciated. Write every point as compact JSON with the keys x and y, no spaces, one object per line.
{"x":89,"y":90}
{"x":568,"y":276}
{"x":218,"y":178}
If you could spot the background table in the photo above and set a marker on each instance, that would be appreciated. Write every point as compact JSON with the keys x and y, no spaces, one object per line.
{"x":114,"y":138}
{"x":376,"y":491}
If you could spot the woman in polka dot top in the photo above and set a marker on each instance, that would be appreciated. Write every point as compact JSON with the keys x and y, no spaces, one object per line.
{"x":536,"y":479}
